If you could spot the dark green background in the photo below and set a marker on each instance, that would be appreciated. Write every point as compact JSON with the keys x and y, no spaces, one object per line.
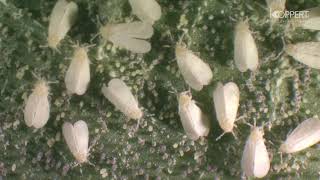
{"x":283,"y":92}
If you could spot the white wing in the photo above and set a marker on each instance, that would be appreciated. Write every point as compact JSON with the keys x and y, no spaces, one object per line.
{"x":81,"y":133}
{"x":69,"y":136}
{"x":78,"y":74}
{"x":245,"y":50}
{"x":195,"y":72}
{"x":193,"y":121}
{"x":303,"y":136}
{"x":37,"y":110}
{"x":231,"y":96}
{"x":77,"y":138}
{"x":131,"y":44}
{"x":255,"y":159}
{"x":147,"y":10}
{"x":63,"y":16}
{"x":120,"y":95}
{"x":261,"y":160}
{"x":226,"y":103}
{"x":130,"y":36}
{"x":306,"y":52}
{"x":220,"y":105}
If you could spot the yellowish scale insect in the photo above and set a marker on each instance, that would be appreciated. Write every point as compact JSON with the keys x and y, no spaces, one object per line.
{"x":307,"y":53}
{"x":226,"y":102}
{"x":77,"y":139}
{"x":305,"y":135}
{"x":78,"y":74}
{"x":245,"y":49}
{"x":255,"y":159}
{"x":194,"y":70}
{"x":119,"y":94}
{"x":147,"y":11}
{"x":309,"y":20}
{"x":131,"y":36}
{"x":194,"y":122}
{"x":62,"y":18}
{"x":37,"y":109}
{"x":276,"y":9}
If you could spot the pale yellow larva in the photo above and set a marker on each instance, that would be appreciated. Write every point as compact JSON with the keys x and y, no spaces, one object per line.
{"x":255,"y":159}
{"x":194,"y":122}
{"x":62,"y":18}
{"x":226,"y":102}
{"x":131,"y":36}
{"x":245,"y":49}
{"x":78,"y":74}
{"x":119,"y":94}
{"x":194,"y":70}
{"x":37,"y":109}
{"x":147,"y":11}
{"x":302,"y":137}
{"x":77,"y":138}
{"x":307,"y":53}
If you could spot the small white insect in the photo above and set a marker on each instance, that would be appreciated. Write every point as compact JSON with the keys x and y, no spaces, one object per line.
{"x":276,"y":9}
{"x":130,"y":36}
{"x":147,"y":10}
{"x":307,"y":53}
{"x":194,"y":122}
{"x":37,"y":109}
{"x":77,"y":138}
{"x":78,"y":74}
{"x":121,"y":97}
{"x":194,"y":71}
{"x":245,"y":50}
{"x":62,"y":18}
{"x":226,"y":102}
{"x":255,"y":158}
{"x":310,"y":20}
{"x":303,"y":136}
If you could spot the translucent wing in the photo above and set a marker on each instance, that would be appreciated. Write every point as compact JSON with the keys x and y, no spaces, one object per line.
{"x":138,"y":30}
{"x":130,"y":36}
{"x":307,"y":53}
{"x":131,"y":44}
{"x":303,"y":136}
{"x":147,"y":10}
